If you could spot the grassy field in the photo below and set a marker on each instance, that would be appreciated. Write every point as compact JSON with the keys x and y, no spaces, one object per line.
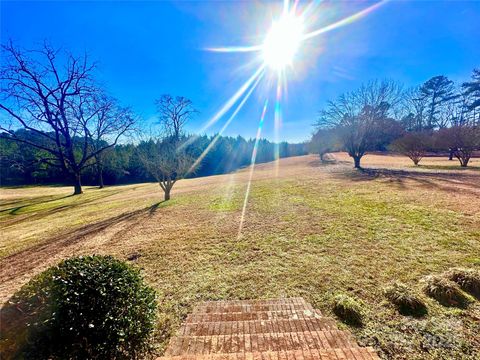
{"x":309,"y":230}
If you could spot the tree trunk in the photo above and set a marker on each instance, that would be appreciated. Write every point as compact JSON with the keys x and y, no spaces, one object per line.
{"x":100,"y":178}
{"x":167,"y":194}
{"x":77,"y":185}
{"x":463,"y":157}
{"x":99,"y":166}
{"x":464,"y":161}
{"x":356,"y":160}
{"x":450,"y":157}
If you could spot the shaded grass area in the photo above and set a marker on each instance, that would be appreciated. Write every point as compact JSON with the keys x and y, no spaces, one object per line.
{"x":313,"y":234}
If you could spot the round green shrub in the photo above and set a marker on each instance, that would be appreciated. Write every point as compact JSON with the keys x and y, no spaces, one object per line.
{"x":92,"y":307}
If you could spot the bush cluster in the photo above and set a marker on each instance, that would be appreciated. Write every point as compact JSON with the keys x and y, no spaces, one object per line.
{"x":93,"y":307}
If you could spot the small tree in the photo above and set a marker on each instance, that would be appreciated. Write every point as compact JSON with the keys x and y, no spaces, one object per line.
{"x":461,"y":140}
{"x":323,"y":141}
{"x":413,"y":144}
{"x":166,"y":160}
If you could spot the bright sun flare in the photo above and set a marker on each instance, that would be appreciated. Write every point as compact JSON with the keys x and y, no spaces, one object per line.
{"x":282,"y":42}
{"x":278,"y":51}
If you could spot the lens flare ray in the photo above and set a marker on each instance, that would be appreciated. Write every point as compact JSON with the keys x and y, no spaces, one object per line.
{"x":348,"y":20}
{"x":240,"y":49}
{"x":227,"y":106}
{"x":230,"y":102}
{"x":224,"y":127}
{"x":292,"y":13}
{"x":278,"y":122}
{"x":252,"y":168}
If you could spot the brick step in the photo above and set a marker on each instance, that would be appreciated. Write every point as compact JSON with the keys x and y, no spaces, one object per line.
{"x":367,"y":353}
{"x":258,"y":315}
{"x":296,"y":300}
{"x":246,"y":308}
{"x":257,"y":326}
{"x":326,"y":339}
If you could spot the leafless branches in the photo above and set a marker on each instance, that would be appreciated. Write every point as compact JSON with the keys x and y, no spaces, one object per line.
{"x":174,"y":113}
{"x":53,"y":95}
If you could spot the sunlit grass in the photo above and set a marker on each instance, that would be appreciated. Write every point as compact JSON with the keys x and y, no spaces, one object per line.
{"x":314,"y":231}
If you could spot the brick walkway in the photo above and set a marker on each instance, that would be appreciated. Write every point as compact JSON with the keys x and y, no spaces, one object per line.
{"x":281,"y":329}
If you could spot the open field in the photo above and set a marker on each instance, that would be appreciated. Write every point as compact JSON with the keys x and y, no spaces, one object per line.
{"x":309,"y":230}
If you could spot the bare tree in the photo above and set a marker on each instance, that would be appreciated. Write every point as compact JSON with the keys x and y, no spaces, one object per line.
{"x":51,"y":94}
{"x":175,"y":112}
{"x":358,"y":116}
{"x":412,"y":144}
{"x":166,"y":157}
{"x":462,"y":140}
{"x":110,"y":120}
{"x":166,"y":161}
{"x":414,"y":107}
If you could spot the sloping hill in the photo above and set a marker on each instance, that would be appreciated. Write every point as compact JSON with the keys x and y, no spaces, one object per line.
{"x":307,"y":229}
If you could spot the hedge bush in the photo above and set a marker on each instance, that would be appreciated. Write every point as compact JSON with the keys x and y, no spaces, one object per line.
{"x":92,"y":307}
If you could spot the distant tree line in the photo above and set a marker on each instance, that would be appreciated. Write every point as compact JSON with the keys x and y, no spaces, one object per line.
{"x":58,"y":125}
{"x":437,"y":116}
{"x":21,"y":164}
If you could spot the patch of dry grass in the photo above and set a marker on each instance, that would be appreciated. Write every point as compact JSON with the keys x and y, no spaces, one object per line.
{"x":467,"y":279}
{"x":348,"y":309}
{"x":309,"y":230}
{"x":407,"y":301}
{"x":445,"y":291}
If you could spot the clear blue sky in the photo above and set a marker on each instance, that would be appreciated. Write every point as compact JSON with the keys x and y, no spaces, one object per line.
{"x":145,"y":49}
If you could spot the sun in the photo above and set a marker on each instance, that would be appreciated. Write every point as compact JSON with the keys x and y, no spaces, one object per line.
{"x":283,"y":41}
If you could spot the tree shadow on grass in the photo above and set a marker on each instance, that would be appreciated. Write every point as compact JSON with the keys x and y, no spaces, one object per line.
{"x":153,"y":209}
{"x":448,"y":182}
{"x":22,"y":262}
{"x":323,"y":163}
{"x":328,"y":161}
{"x":16,"y":218}
{"x":15,"y":209}
{"x":451,"y":167}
